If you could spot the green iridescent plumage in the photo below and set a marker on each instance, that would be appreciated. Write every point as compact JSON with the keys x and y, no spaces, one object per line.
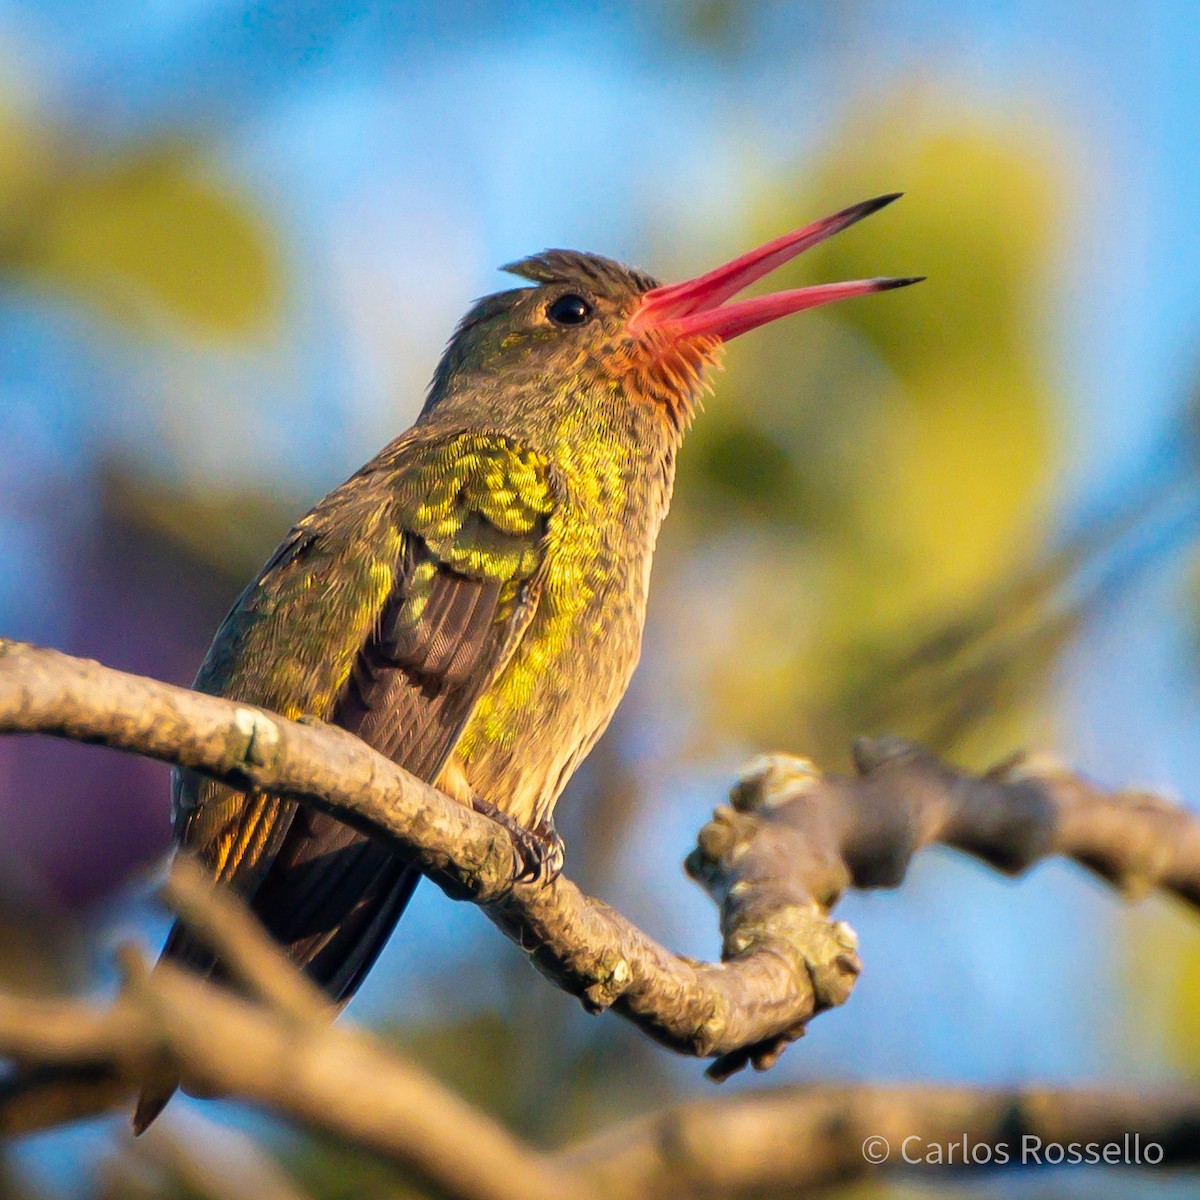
{"x":474,"y":503}
{"x":471,"y":602}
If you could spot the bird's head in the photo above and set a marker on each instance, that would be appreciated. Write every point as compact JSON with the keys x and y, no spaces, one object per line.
{"x":591,"y":325}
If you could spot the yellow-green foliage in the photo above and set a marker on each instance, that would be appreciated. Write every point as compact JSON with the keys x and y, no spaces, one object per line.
{"x":143,"y":232}
{"x":1161,"y":1024}
{"x":894,"y":452}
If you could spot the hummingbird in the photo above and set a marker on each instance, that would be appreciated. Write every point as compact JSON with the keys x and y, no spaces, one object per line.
{"x":470,"y":603}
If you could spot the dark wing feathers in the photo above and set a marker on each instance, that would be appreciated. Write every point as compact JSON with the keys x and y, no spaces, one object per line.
{"x":415,"y":682}
{"x":462,"y":593}
{"x":332,"y":894}
{"x":442,"y":633}
{"x":456,"y":619}
{"x":327,"y":889}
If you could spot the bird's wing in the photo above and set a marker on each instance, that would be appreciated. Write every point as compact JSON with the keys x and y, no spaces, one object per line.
{"x":395,"y":647}
{"x":388,"y":610}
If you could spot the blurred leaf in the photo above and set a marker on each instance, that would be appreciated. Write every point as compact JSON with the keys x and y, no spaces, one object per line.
{"x":150,"y":230}
{"x":475,"y":1056}
{"x":741,"y":464}
{"x":982,"y":198}
{"x":898,"y":449}
{"x":25,"y":161}
{"x":713,"y":25}
{"x":740,"y":30}
{"x":1161,"y":944}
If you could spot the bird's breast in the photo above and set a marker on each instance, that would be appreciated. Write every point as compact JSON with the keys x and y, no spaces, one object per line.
{"x":569,"y":671}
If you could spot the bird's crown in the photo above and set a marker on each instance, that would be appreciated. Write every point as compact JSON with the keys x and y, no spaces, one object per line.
{"x":577,"y":269}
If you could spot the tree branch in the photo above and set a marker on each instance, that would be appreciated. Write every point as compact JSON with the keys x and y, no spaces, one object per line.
{"x":226,"y":926}
{"x":780,"y":1142}
{"x":862,"y":831}
{"x":827,"y":832}
{"x":776,"y":862}
{"x":328,"y":1078}
{"x":785,"y":960}
{"x":772,"y":1143}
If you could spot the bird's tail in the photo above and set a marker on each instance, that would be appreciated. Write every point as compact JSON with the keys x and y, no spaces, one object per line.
{"x":162,"y":1081}
{"x":331,"y":901}
{"x":157,"y":1090}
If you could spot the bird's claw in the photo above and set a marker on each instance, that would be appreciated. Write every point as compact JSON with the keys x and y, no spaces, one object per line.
{"x":549,"y":853}
{"x":540,"y":850}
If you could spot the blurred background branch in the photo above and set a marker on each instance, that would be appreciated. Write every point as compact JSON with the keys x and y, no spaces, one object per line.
{"x":779,"y":1142}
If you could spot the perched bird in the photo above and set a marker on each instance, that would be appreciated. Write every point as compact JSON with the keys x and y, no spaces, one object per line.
{"x":470,"y":603}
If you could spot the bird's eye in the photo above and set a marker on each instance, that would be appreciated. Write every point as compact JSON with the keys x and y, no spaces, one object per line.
{"x":569,"y":310}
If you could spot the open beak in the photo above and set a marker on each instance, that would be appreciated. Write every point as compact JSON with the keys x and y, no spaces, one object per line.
{"x":696,"y":308}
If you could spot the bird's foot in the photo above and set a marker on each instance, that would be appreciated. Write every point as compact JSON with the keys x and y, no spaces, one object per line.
{"x":553,"y":851}
{"x":541,"y":851}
